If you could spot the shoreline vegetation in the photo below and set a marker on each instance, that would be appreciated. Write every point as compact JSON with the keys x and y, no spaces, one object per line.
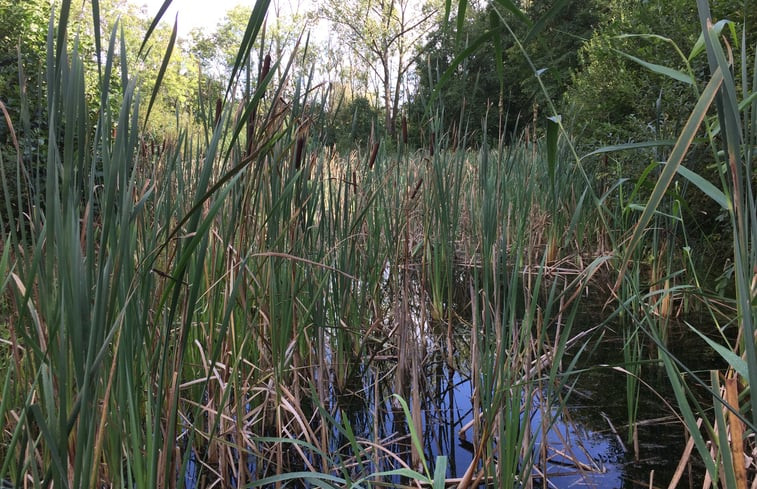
{"x":204,"y":305}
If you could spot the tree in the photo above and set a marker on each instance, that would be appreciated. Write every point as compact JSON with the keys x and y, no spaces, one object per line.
{"x":504,"y":96}
{"x":23,"y":30}
{"x":471,"y":92}
{"x":382,"y":34}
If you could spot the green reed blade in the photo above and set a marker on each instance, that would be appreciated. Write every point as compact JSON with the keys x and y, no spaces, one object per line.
{"x":257,"y":18}
{"x":626,"y":146}
{"x":162,"y":70}
{"x":553,"y":133}
{"x":153,"y":25}
{"x":674,"y":376}
{"x":699,"y":45}
{"x":302,"y":476}
{"x":705,"y":186}
{"x":440,"y":471}
{"x":660,"y":69}
{"x":413,"y":433}
{"x":538,"y":26}
{"x":722,"y":447}
{"x":671,"y":166}
{"x":515,"y":10}
{"x":96,"y":22}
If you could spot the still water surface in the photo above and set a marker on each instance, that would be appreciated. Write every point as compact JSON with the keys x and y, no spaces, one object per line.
{"x":588,"y":445}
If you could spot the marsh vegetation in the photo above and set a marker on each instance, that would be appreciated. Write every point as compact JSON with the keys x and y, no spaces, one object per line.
{"x":254,"y":289}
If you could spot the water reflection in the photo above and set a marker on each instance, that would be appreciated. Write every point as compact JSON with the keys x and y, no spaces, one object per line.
{"x":587,"y":443}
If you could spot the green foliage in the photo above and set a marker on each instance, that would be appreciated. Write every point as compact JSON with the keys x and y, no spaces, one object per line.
{"x":501,"y":91}
{"x":23,"y":30}
{"x":473,"y":92}
{"x":637,"y":82}
{"x":354,"y":124}
{"x":614,"y":99}
{"x":617,"y":95}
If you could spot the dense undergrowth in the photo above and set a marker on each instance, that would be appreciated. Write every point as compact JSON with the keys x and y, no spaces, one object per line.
{"x":205,"y":307}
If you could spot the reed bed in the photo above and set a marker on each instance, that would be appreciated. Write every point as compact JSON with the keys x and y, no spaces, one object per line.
{"x":227,"y":309}
{"x":205,"y":313}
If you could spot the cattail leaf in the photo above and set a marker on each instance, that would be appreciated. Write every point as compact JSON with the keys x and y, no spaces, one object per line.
{"x":660,"y":69}
{"x":413,"y":433}
{"x":162,"y":71}
{"x":154,"y":24}
{"x":257,"y":17}
{"x":723,"y":433}
{"x":96,"y":24}
{"x":106,"y":74}
{"x":53,"y":441}
{"x":553,"y":133}
{"x":60,"y":48}
{"x":440,"y":470}
{"x":671,"y":166}
{"x":462,"y":6}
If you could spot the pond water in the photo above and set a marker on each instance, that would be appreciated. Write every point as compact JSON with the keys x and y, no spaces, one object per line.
{"x":587,"y":445}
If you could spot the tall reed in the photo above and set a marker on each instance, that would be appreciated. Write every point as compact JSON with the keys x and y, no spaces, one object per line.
{"x":731,"y":138}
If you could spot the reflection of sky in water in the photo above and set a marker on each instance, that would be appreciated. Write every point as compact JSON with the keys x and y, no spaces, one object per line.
{"x":602,"y":454}
{"x":589,"y":431}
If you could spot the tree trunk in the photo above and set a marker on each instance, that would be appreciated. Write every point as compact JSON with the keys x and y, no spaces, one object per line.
{"x":387,"y":94}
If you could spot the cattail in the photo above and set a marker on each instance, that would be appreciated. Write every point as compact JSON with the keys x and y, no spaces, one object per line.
{"x":250,"y":131}
{"x":218,"y":112}
{"x":404,"y":129}
{"x":432,"y":143}
{"x":374,"y":152}
{"x":266,"y":67}
{"x":298,"y":152}
{"x":416,"y":189}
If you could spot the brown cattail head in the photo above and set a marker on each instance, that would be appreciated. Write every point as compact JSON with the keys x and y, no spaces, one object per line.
{"x":404,"y":130}
{"x":374,"y":153}
{"x":298,"y":152}
{"x":431,"y":144}
{"x":218,"y":111}
{"x":416,"y":189}
{"x":266,"y":67}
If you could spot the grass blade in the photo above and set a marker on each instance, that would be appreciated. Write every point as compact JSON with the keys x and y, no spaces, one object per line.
{"x":153,"y":25}
{"x":671,"y":166}
{"x":163,"y":66}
